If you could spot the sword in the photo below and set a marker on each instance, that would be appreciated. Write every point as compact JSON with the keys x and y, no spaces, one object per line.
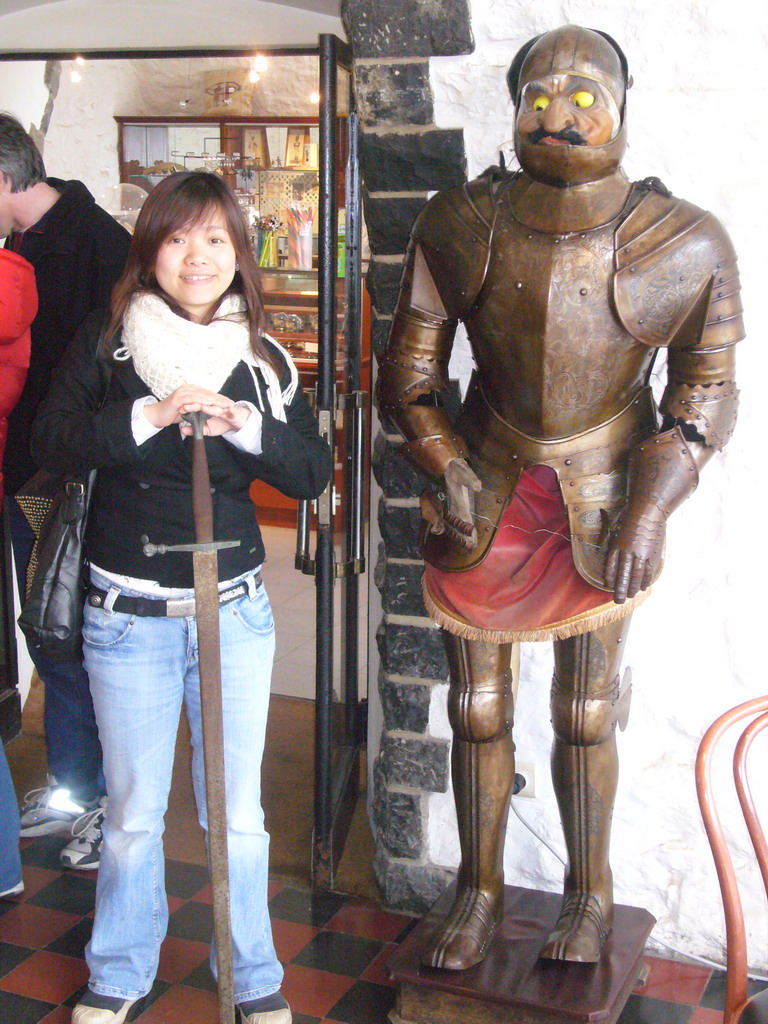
{"x":206,"y":575}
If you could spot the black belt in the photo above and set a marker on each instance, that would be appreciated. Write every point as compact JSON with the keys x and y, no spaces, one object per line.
{"x":174,"y":608}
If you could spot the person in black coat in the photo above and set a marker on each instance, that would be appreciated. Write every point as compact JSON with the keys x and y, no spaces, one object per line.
{"x":77,"y":250}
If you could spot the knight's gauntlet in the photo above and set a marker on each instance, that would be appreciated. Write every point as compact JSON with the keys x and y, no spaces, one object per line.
{"x":662,"y":474}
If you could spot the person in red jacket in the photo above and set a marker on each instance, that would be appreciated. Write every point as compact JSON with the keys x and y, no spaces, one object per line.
{"x":18,"y":306}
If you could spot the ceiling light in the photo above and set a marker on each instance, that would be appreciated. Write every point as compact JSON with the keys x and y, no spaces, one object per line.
{"x":260,"y":63}
{"x":314,"y":97}
{"x":75,"y":76}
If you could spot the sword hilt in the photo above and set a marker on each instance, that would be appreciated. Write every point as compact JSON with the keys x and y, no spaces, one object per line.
{"x":196,"y":420}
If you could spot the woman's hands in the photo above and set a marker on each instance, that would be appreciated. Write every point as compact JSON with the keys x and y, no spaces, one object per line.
{"x":223,"y":414}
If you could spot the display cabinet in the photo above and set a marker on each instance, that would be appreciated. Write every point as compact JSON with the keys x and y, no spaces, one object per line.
{"x":291,"y":307}
{"x":290,"y":304}
{"x":270,"y":163}
{"x":156,"y":146}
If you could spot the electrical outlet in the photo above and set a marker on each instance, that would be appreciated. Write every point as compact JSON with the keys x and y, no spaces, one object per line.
{"x":528,"y":772}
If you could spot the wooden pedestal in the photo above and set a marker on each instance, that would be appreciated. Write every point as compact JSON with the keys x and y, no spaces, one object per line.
{"x":512,"y":984}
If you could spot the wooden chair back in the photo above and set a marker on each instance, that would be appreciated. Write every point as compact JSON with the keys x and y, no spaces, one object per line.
{"x":738,"y":1008}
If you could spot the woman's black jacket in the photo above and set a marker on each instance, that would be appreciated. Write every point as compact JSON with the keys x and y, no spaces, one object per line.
{"x":85,"y":422}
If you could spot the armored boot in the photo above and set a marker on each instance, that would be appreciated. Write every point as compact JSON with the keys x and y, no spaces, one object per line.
{"x":480,"y":706}
{"x":585,"y":712}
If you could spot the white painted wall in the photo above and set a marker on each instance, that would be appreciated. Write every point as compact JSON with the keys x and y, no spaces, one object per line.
{"x":697,"y":647}
{"x":23,"y":92}
{"x":81,"y":141}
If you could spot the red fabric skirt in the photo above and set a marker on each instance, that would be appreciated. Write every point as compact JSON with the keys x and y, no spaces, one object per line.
{"x":527,"y":587}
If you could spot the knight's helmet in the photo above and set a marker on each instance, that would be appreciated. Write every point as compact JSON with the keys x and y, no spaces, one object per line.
{"x":589,"y":54}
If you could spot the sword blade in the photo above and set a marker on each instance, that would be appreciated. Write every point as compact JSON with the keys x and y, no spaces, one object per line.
{"x":206,"y":575}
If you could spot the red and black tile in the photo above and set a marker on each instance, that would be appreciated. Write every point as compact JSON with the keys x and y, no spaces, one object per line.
{"x":334,"y":948}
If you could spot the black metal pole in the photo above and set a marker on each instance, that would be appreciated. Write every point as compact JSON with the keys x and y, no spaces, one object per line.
{"x":354,"y":441}
{"x":326,"y":385}
{"x":327,"y":212}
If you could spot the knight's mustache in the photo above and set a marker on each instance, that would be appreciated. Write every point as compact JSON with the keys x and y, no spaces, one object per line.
{"x":569,"y":135}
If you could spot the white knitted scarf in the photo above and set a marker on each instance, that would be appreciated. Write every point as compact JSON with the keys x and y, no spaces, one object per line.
{"x":168,"y":350}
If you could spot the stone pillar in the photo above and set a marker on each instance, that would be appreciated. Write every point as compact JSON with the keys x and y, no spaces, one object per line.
{"x":403,"y":157}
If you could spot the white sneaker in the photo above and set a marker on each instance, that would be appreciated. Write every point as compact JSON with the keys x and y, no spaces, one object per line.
{"x":16,"y":890}
{"x":111,"y":1010}
{"x":50,"y":809}
{"x":84,"y":851}
{"x":279,"y":1012}
{"x":267,"y":1017}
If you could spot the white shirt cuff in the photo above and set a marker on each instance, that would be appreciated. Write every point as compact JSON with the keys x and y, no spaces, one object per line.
{"x":141,"y":428}
{"x":248,"y":438}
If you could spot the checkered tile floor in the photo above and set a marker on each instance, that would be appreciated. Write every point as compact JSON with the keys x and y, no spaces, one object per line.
{"x":334,"y":948}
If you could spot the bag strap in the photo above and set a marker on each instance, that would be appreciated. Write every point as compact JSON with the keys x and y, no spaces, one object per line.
{"x":36,"y":496}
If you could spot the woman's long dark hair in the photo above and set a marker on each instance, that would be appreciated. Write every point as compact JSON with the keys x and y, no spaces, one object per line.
{"x":181,"y":201}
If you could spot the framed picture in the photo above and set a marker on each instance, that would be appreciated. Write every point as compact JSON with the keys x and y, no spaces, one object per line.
{"x":276,"y":136}
{"x":255,"y":147}
{"x":296,"y":147}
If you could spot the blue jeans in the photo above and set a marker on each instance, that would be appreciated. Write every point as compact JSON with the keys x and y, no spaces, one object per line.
{"x":71,"y":736}
{"x":141,"y":669}
{"x":10,"y":862}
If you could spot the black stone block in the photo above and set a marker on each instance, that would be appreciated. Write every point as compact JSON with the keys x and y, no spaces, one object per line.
{"x":417,"y":763}
{"x":397,"y":477}
{"x":452,"y":400}
{"x":379,"y":335}
{"x":388,"y":425}
{"x":405,"y":705}
{"x":432,"y":160}
{"x":389,"y":223}
{"x":397,"y":818}
{"x":401,"y":835}
{"x":380,"y":569}
{"x":408,"y":28}
{"x":414,"y":651}
{"x":383,"y":281}
{"x":409,"y":885}
{"x":401,"y":591}
{"x":400,"y":528}
{"x":394,"y":94}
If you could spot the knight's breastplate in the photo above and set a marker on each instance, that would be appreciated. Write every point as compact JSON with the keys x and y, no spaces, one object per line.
{"x":551,"y":353}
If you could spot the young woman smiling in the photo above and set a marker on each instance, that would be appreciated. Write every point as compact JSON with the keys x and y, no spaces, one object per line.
{"x":184,"y":334}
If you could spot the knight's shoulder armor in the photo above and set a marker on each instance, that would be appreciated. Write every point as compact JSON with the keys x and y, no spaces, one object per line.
{"x":676,"y":281}
{"x":454,"y":233}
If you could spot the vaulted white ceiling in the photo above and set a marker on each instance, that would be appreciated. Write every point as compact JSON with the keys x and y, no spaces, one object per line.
{"x":38,"y":25}
{"x":329,"y":7}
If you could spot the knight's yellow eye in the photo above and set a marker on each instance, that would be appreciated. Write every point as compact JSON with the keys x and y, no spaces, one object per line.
{"x":582,"y":99}
{"x":540,"y":103}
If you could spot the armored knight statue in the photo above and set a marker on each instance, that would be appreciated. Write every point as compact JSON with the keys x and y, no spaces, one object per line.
{"x":555,"y":482}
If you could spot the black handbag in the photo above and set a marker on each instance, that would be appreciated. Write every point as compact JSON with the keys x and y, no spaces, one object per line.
{"x":56,"y":508}
{"x":52,"y":616}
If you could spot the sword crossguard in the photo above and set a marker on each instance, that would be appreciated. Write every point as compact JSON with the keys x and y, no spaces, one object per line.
{"x":151,"y":549}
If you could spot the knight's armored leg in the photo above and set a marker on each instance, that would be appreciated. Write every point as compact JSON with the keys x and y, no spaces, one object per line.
{"x":480,"y":707}
{"x":586,"y":706}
